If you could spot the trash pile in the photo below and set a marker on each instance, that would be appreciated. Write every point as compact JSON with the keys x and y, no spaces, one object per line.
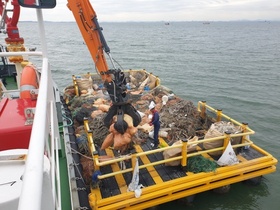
{"x":179,"y":118}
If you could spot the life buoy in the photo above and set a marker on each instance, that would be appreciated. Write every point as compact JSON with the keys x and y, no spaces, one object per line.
{"x":28,"y":81}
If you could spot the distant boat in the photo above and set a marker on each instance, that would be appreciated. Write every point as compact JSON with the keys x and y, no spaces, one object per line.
{"x":206,"y":23}
{"x":167,"y":24}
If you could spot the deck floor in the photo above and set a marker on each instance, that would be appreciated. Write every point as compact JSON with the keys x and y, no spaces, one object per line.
{"x":153,"y":174}
{"x":11,"y":83}
{"x":147,"y":177}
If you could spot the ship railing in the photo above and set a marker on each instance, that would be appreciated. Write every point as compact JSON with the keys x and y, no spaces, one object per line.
{"x":218,"y":115}
{"x":15,"y":93}
{"x":44,"y":142}
{"x":245,"y":142}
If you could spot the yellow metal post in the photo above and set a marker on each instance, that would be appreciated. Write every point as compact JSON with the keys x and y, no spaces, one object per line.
{"x":226,"y":140}
{"x":203,"y":109}
{"x":219,"y":115}
{"x":92,"y":200}
{"x":91,"y":146}
{"x":157,"y":81}
{"x":133,"y":161}
{"x":95,"y":157}
{"x":184,"y":154}
{"x":86,"y":127}
{"x":244,"y":129}
{"x":75,"y":85}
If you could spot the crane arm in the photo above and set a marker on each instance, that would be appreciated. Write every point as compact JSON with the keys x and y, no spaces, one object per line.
{"x":91,"y":31}
{"x":87,"y":22}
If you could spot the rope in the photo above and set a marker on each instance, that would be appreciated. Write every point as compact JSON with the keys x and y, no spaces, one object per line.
{"x":127,"y":156}
{"x":67,"y":118}
{"x":77,"y":152}
{"x":76,"y":166}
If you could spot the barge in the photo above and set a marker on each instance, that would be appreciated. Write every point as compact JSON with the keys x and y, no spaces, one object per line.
{"x":192,"y":167}
{"x":58,"y":151}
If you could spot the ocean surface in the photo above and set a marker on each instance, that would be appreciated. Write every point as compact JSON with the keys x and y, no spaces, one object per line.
{"x":234,"y":66}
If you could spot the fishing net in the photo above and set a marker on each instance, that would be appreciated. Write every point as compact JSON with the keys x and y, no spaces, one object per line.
{"x":79,"y":101}
{"x":82,"y":113}
{"x":82,"y":143}
{"x":183,"y":119}
{"x":99,"y":130}
{"x":88,"y":169}
{"x":197,"y":164}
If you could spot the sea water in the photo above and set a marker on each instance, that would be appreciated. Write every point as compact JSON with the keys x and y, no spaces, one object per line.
{"x":234,"y":66}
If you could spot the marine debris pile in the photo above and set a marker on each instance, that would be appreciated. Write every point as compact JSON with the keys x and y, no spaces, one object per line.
{"x":179,"y":118}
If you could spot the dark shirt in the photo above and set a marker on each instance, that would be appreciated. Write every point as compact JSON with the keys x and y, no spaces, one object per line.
{"x":155,"y":119}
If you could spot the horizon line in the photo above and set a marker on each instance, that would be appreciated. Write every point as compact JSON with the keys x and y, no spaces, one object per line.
{"x":131,"y":21}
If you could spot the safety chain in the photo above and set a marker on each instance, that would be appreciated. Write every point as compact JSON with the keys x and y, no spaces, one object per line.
{"x":81,"y":208}
{"x":80,"y":189}
{"x":73,"y":164}
{"x":76,"y":178}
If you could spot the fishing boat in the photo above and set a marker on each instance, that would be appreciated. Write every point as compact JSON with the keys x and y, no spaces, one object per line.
{"x":91,"y":147}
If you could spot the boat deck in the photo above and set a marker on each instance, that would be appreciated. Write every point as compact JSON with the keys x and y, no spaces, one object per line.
{"x":147,"y":177}
{"x":166,"y":183}
{"x":11,"y":83}
{"x":112,"y":173}
{"x":157,"y":174}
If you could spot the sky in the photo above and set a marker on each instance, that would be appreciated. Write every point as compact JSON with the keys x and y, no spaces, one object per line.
{"x":167,"y":10}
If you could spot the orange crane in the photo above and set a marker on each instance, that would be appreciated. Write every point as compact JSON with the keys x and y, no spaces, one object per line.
{"x":114,"y":79}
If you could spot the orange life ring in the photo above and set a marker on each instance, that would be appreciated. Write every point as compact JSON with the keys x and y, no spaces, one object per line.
{"x":28,"y":81}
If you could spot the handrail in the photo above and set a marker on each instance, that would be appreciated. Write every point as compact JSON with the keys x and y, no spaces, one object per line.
{"x":55,"y":157}
{"x":33,"y":175}
{"x":44,"y":132}
{"x":11,"y":54}
{"x":202,"y":106}
{"x":109,"y":162}
{"x":245,"y":142}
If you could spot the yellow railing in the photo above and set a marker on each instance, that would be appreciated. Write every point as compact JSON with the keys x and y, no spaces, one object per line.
{"x":246,"y":131}
{"x":184,"y":154}
{"x":203,"y":107}
{"x":75,"y":83}
{"x":76,"y":87}
{"x":92,"y":149}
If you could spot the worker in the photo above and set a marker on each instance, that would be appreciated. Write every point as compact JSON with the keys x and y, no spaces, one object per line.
{"x":156,"y":123}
